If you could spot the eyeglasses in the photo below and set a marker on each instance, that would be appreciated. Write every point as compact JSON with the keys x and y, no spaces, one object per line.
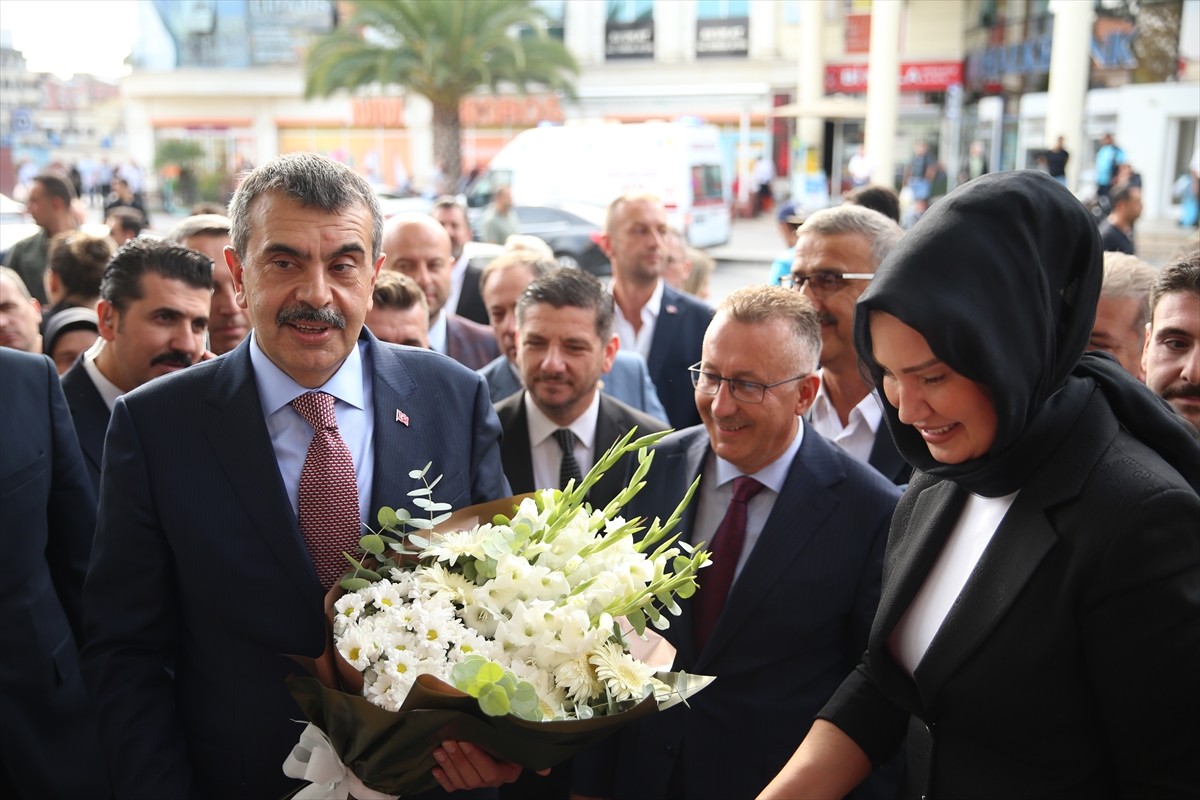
{"x":823,"y":282}
{"x":742,"y":391}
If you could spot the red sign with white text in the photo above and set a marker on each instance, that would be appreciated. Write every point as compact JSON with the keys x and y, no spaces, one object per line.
{"x":915,"y":76}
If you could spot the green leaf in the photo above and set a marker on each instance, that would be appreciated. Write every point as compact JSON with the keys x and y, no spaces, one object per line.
{"x":387,"y":518}
{"x":354,"y":584}
{"x":372,"y":543}
{"x":494,"y":701}
{"x":638,"y":620}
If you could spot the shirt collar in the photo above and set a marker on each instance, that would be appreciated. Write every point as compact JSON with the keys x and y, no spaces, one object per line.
{"x":109,"y":391}
{"x":868,"y":408}
{"x":437,"y":332}
{"x":542,"y":427}
{"x":773,"y":475}
{"x":277,"y":389}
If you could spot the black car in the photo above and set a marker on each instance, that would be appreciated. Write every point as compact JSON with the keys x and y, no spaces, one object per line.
{"x":572,"y":232}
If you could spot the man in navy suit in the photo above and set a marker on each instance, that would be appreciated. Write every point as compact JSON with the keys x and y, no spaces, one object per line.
{"x":201,"y":578}
{"x":153,"y":315}
{"x":464,"y":299}
{"x":504,"y":280}
{"x":418,"y":246}
{"x":837,"y":251}
{"x":805,"y":580}
{"x":663,"y":324}
{"x":48,"y":742}
{"x":564,"y":343}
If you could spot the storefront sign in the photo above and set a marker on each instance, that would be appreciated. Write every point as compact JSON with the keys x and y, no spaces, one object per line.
{"x":377,"y":112}
{"x":1112,"y":48}
{"x":509,"y":112}
{"x":722,"y":37}
{"x":858,"y":33}
{"x":915,"y":76}
{"x":629,"y":39}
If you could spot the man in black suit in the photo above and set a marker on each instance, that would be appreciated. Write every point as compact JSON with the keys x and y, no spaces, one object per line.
{"x":561,"y":423}
{"x":465,"y":298}
{"x":805,"y":564}
{"x":837,"y":252}
{"x":417,"y":246}
{"x":203,"y":575}
{"x":48,"y":741}
{"x":663,"y":324}
{"x":153,"y":316}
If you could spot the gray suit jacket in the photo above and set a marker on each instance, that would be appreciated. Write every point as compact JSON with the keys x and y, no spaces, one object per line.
{"x":469,"y":343}
{"x":628,"y":381}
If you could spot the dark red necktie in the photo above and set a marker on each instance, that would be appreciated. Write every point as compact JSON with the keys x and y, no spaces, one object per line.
{"x":329,"y":516}
{"x":726,"y":549}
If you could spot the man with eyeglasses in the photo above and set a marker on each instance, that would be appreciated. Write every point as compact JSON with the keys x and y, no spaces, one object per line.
{"x":796,"y":528}
{"x":837,"y":252}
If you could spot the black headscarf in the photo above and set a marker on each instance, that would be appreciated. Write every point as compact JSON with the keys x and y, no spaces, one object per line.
{"x":1002,"y":277}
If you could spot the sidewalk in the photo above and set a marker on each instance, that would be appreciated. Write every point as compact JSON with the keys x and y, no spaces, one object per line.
{"x":758,"y":240}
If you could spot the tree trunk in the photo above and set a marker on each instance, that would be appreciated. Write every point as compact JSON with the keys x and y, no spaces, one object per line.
{"x":447,"y":145}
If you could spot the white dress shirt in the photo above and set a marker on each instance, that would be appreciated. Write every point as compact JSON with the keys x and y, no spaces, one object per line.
{"x":544,"y":452}
{"x":437,"y":332}
{"x":353,"y":406}
{"x":716,"y":492}
{"x":857,"y":436}
{"x":639,"y":341}
{"x":107,"y":389}
{"x":457,"y":275}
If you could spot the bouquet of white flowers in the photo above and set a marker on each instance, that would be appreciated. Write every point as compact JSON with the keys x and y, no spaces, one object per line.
{"x":514,"y":634}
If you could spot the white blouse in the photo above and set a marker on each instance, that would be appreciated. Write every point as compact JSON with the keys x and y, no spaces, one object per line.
{"x":964,"y":547}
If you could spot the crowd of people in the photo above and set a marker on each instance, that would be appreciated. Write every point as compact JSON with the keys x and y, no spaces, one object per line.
{"x":949,"y":481}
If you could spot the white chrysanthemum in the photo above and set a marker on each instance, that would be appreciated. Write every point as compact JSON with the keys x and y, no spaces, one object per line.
{"x":384,"y":595}
{"x":577,"y":677}
{"x":358,"y":648}
{"x":453,"y":545}
{"x":348,"y":609}
{"x":623,"y":675}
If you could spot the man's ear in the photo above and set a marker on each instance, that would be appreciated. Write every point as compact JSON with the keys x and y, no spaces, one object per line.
{"x":809,"y":385}
{"x":234,"y":264}
{"x":107,"y":319}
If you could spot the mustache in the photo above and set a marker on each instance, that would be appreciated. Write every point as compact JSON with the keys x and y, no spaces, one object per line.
{"x":1187,"y":390}
{"x":303,"y":313}
{"x":175,"y":358}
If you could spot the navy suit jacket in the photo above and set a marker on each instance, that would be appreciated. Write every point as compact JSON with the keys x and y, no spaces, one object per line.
{"x":678,"y":336}
{"x":887,"y":459}
{"x":628,"y":381}
{"x":797,"y":618}
{"x":469,"y":343}
{"x":48,"y":741}
{"x":90,"y":414}
{"x":200,"y":580}
{"x":614,"y":419}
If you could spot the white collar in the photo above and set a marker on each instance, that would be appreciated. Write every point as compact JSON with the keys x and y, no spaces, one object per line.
{"x":824,"y":414}
{"x":277,"y":389}
{"x":542,"y":427}
{"x":773,"y":475}
{"x":109,"y":391}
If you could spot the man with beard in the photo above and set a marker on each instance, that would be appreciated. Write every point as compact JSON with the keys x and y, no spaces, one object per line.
{"x":837,"y":252}
{"x":153,"y":316}
{"x":663,"y":324}
{"x":416,"y":245}
{"x":231,"y":490}
{"x":464,"y":298}
{"x":1171,"y":357}
{"x":561,"y":423}
{"x":209,"y":234}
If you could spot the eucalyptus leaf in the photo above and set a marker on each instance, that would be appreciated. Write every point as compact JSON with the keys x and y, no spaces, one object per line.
{"x":494,"y":701}
{"x":354,"y":584}
{"x":372,"y":543}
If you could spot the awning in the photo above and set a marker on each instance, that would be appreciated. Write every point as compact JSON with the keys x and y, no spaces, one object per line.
{"x":833,"y":107}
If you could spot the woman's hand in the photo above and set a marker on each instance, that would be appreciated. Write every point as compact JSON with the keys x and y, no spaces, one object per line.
{"x":462,"y":765}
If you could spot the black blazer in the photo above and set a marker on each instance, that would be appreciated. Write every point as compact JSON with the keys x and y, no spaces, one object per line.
{"x":90,"y":415}
{"x":678,"y":336}
{"x":887,"y":459}
{"x":1067,"y":667}
{"x":796,"y":617}
{"x":200,"y":579}
{"x":470,"y":300}
{"x":613,"y":420}
{"x":47,"y":518}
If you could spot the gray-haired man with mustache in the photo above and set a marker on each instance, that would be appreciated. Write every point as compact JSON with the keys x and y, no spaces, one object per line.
{"x":153,"y":315}
{"x":837,"y":252}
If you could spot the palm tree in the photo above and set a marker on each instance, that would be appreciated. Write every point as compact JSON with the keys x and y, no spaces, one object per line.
{"x":443,"y":50}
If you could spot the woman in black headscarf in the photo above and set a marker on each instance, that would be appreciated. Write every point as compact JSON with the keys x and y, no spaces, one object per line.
{"x":1038,"y":633}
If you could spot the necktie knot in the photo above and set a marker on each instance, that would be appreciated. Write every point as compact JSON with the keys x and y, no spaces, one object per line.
{"x":317,"y":410}
{"x":566,"y":439}
{"x":745,"y":488}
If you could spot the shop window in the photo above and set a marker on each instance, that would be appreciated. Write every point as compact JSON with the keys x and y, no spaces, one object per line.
{"x":626,"y":11}
{"x":722,"y":9}
{"x":629,"y":29}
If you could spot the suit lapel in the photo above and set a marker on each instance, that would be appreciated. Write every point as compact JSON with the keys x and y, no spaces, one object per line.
{"x":90,"y":413}
{"x":666,"y":331}
{"x":252,"y":469}
{"x":399,"y":421}
{"x":887,"y":459}
{"x":805,"y":497}
{"x":515,"y":450}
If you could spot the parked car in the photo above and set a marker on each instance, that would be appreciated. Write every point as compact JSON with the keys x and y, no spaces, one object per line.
{"x":572,"y":231}
{"x":393,"y":202}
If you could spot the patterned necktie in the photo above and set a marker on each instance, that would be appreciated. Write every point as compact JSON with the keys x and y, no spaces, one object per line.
{"x":329,"y":516}
{"x":569,"y":468}
{"x":726,"y":549}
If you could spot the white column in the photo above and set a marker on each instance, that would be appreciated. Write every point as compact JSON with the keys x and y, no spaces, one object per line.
{"x":763,"y":27}
{"x":883,"y":89}
{"x":583,"y":30}
{"x":670,"y":31}
{"x":810,"y":87}
{"x":1069,"y":66}
{"x":418,"y":118}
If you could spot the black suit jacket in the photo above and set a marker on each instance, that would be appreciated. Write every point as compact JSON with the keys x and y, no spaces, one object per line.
{"x":678,"y":336}
{"x":470,"y":300}
{"x":796,"y":616}
{"x":200,"y":579}
{"x":48,"y":741}
{"x":613,"y":420}
{"x":90,"y":415}
{"x":887,"y":459}
{"x":1067,"y":666}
